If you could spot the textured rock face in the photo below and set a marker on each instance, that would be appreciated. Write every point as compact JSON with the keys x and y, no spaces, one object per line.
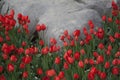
{"x":60,"y":15}
{"x":58,"y":22}
{"x":101,"y":6}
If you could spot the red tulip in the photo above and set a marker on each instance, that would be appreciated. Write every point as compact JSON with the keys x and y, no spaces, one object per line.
{"x":38,"y":28}
{"x":100,"y":33}
{"x":5,"y":56}
{"x":27,"y":51}
{"x":22,"y":66}
{"x":103,"y":75}
{"x":115,"y":70}
{"x":76,"y":76}
{"x":1,"y":69}
{"x":108,"y":52}
{"x":115,"y":12}
{"x":109,"y":47}
{"x":100,"y":59}
{"x":43,"y":27}
{"x":68,"y":37}
{"x":117,"y":21}
{"x":86,"y":61}
{"x":27,"y":59}
{"x":45,"y":50}
{"x":24,"y":43}
{"x":41,"y":42}
{"x":39,"y":71}
{"x":88,"y":37}
{"x":20,"y":50}
{"x":53,"y":41}
{"x":57,"y":78}
{"x":45,"y":78}
{"x":53,"y":48}
{"x":13,"y":58}
{"x":10,"y":67}
{"x":81,"y":43}
{"x":85,"y":31}
{"x":95,"y":54}
{"x":65,"y":44}
{"x":117,"y":35}
{"x":104,"y":18}
{"x":109,"y":19}
{"x":107,"y":65}
{"x":93,"y":70}
{"x":25,"y":74}
{"x":111,"y":38}
{"x":114,"y":5}
{"x":115,"y":62}
{"x":91,"y":62}
{"x":51,"y":73}
{"x":77,"y":55}
{"x":90,"y":23}
{"x":62,"y":37}
{"x":35,"y":50}
{"x":12,"y":47}
{"x":117,"y":54}
{"x":92,"y":31}
{"x":76,"y":33}
{"x":8,"y":38}
{"x":81,"y":64}
{"x":72,"y":43}
{"x":6,"y":48}
{"x":1,"y":39}
{"x":98,"y":72}
{"x":57,"y":60}
{"x":82,"y":51}
{"x":2,"y":77}
{"x":91,"y":76}
{"x":101,"y":46}
{"x":66,"y":66}
{"x":69,"y":52}
{"x":61,"y":74}
{"x":70,"y":60}
{"x":66,"y":33}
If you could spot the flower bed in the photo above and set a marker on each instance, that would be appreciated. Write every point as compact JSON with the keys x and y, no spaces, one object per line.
{"x":96,"y":57}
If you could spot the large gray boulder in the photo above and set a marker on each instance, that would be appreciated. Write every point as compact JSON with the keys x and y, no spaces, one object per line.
{"x":59,"y":15}
{"x":102,"y":6}
{"x":34,"y":9}
{"x":57,"y":21}
{"x":1,"y":5}
{"x":21,"y":5}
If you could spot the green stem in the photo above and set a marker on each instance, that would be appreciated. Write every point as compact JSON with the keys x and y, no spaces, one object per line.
{"x":29,"y":70}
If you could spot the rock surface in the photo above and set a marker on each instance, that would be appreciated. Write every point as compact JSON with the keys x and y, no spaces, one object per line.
{"x":58,"y":21}
{"x":101,"y":6}
{"x":59,"y":15}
